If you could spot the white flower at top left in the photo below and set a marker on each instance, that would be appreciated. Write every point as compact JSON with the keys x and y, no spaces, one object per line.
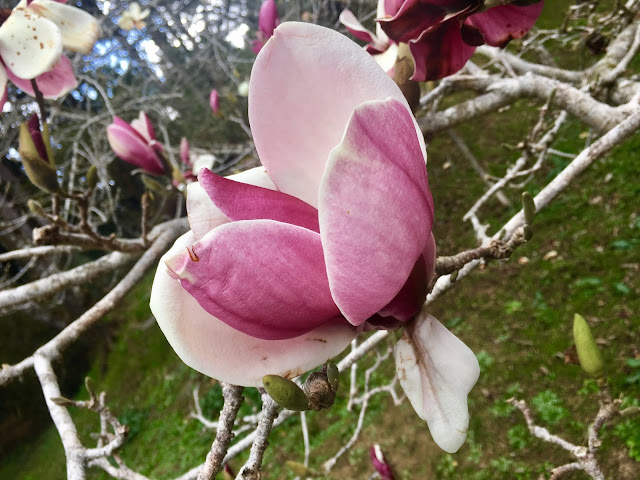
{"x":32,"y":37}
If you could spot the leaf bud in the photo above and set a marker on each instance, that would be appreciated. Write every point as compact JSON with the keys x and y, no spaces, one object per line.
{"x":285,"y":392}
{"x":40,"y":172}
{"x":35,"y":207}
{"x":528,"y":232}
{"x":62,"y":401}
{"x":588,"y":352}
{"x":529,"y":207}
{"x":319,"y":391}
{"x":92,"y":177}
{"x":333,"y":375}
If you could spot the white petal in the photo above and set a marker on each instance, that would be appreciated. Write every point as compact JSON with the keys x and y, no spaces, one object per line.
{"x":437,"y":371}
{"x":3,"y":80}
{"x":203,"y":161}
{"x":387,"y":59}
{"x":213,"y":348}
{"x":29,"y":45}
{"x":80,"y":30}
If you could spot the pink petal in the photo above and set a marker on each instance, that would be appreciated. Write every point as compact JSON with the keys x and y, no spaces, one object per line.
{"x":440,"y":52}
{"x":3,"y":87}
{"x":214,"y":101}
{"x":215,"y":349}
{"x":414,"y":292}
{"x":264,"y":278}
{"x":130,"y":148}
{"x":25,"y":56}
{"x":268,"y":18}
{"x":376,"y":209}
{"x":380,"y":463}
{"x":203,"y":215}
{"x":53,"y":84}
{"x":143,"y":126}
{"x":349,"y":20}
{"x":241,"y":201}
{"x":321,"y":77}
{"x":184,"y":151}
{"x":437,"y":371}
{"x":505,"y":22}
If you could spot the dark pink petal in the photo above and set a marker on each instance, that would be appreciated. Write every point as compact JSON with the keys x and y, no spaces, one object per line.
{"x":132,"y":149}
{"x":215,"y":349}
{"x":349,"y":20}
{"x":214,"y":101}
{"x":53,"y":84}
{"x":241,"y":201}
{"x":414,"y":292}
{"x":376,"y":209}
{"x":203,"y":214}
{"x":321,"y":76}
{"x":440,"y":52}
{"x":264,"y":278}
{"x":184,"y":151}
{"x":505,"y":22}
{"x":437,"y":371}
{"x":268,"y":18}
{"x":380,"y":463}
{"x":36,"y":135}
{"x":416,"y":16}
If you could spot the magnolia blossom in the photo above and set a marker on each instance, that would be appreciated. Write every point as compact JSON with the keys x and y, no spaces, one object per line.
{"x":214,"y":101}
{"x":133,"y":17}
{"x":136,"y":143}
{"x":268,"y":20}
{"x":379,"y":45}
{"x":442,"y":34}
{"x":32,"y":38}
{"x":286,"y":263}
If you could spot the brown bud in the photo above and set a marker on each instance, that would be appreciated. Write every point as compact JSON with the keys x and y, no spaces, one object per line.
{"x":319,"y":391}
{"x":402,"y":73}
{"x":35,"y":207}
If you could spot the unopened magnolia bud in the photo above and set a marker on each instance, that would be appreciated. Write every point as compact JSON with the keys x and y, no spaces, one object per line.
{"x":588,"y":352}
{"x":62,"y":401}
{"x":285,"y":392}
{"x":41,"y":173}
{"x":529,"y":207}
{"x":92,"y":177}
{"x":333,"y":375}
{"x":402,"y":73}
{"x":528,"y":232}
{"x":35,"y":207}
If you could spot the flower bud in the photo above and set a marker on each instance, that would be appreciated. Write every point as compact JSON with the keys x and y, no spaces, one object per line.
{"x":529,"y":207}
{"x":588,"y":352}
{"x":285,"y":392}
{"x":318,"y":390}
{"x":402,"y":72}
{"x":35,"y":207}
{"x":333,"y":375}
{"x":33,"y":154}
{"x":92,"y":177}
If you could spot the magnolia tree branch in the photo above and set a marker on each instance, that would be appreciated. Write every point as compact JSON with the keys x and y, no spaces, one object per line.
{"x":164,"y":235}
{"x":232,"y":396}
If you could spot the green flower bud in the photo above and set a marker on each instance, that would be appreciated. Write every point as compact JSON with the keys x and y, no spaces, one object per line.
{"x":92,"y":177}
{"x":285,"y":392}
{"x":588,"y":352}
{"x":529,"y":207}
{"x":35,"y":207}
{"x":41,"y":173}
{"x":333,"y":375}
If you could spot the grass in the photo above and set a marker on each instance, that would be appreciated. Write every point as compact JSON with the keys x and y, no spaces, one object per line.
{"x":516,"y":315}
